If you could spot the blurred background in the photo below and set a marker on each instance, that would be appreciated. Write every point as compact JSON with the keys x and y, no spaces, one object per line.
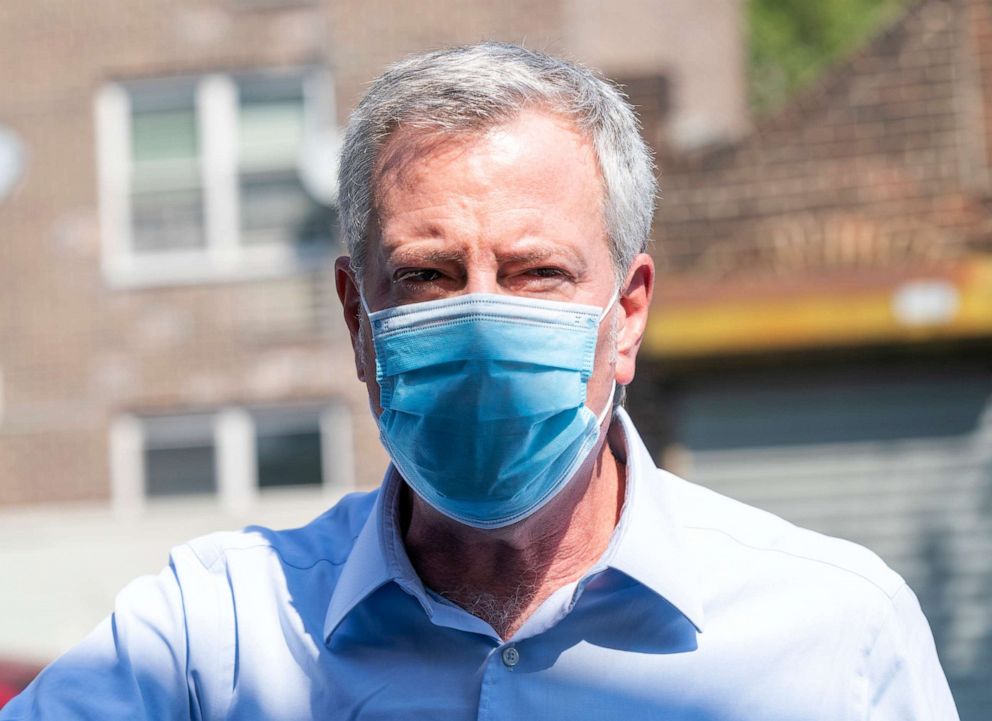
{"x":172,"y":358}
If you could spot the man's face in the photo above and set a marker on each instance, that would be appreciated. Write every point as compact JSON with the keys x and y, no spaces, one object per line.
{"x":515,"y":210}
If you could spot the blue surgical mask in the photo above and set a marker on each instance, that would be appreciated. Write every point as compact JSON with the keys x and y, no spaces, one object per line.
{"x":483,"y":400}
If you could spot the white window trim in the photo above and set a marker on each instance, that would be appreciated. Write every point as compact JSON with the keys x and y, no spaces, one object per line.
{"x":224,"y":258}
{"x":216,"y":117}
{"x":235,"y":456}
{"x":127,"y":465}
{"x":113,"y":137}
{"x":337,"y":442}
{"x":234,"y":448}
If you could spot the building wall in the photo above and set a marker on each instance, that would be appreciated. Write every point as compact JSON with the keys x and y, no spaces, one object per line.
{"x":626,"y":40}
{"x":880,"y":165}
{"x":76,"y":351}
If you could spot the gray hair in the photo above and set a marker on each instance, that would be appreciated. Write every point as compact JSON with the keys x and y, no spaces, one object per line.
{"x":475,"y":87}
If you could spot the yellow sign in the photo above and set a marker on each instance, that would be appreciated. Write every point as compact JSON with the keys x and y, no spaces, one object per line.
{"x":950,"y":304}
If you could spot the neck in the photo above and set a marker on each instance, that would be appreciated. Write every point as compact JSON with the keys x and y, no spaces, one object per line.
{"x":502,"y":575}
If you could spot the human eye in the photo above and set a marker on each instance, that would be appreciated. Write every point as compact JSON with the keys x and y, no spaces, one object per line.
{"x":547,"y":273}
{"x":546,"y":277}
{"x":413,"y":284}
{"x":539,"y":279}
{"x":416,"y":276}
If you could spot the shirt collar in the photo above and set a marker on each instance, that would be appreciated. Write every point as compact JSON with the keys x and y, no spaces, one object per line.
{"x":646,"y":546}
{"x":377,"y":558}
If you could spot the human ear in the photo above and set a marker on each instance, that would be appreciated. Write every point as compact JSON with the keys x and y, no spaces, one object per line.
{"x":635,"y":302}
{"x":351,"y":303}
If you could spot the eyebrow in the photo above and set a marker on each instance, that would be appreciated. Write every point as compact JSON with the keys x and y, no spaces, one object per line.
{"x":427,"y":255}
{"x":536,"y":255}
{"x":527,"y":256}
{"x":404,"y":255}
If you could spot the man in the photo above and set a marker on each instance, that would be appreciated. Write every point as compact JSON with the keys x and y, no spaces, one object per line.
{"x":523,"y":559}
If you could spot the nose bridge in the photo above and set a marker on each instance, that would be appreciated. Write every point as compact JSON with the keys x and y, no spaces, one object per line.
{"x":481,"y":272}
{"x":483,"y":282}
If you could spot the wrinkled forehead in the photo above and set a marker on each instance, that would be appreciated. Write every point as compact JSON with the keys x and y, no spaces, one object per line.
{"x":411,"y":141}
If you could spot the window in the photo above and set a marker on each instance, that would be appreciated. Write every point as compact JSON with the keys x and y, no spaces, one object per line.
{"x":232,"y":453}
{"x":166,"y":192}
{"x":288,"y":447}
{"x":200,"y":177}
{"x":178,"y":456}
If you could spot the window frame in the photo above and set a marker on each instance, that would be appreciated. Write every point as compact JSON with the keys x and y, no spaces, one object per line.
{"x":233,"y":432}
{"x":224,"y":256}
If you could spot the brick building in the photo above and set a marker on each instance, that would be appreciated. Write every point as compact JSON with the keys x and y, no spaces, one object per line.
{"x":822,"y":341}
{"x":171,"y":352}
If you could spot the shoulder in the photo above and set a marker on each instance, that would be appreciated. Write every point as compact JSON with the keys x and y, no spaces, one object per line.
{"x":251,"y":586}
{"x":328,"y":538}
{"x":770,"y":547}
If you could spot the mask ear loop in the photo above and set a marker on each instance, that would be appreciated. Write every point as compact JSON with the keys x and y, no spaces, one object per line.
{"x":365,"y":306}
{"x":608,"y":407}
{"x":613,"y":389}
{"x":368,"y":313}
{"x":609,"y":306}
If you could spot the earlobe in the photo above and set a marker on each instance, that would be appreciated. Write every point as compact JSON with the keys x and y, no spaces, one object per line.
{"x":351,"y":304}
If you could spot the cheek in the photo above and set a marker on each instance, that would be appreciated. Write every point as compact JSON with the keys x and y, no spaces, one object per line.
{"x":614,"y":336}
{"x":363,"y":340}
{"x":366,"y":365}
{"x":606,"y":350}
{"x":606,"y":344}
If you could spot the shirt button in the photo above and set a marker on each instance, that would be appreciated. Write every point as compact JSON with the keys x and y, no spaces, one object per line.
{"x":511,"y":657}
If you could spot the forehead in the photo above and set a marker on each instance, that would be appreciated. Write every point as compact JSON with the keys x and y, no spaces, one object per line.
{"x":415,"y":138}
{"x":535,"y":151}
{"x":519,"y":199}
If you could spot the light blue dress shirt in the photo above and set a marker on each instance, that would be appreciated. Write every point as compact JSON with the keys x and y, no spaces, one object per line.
{"x":701,"y":609}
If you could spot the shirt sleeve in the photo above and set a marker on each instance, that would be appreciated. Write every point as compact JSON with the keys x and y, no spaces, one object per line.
{"x":132,"y":666}
{"x":904,"y":679}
